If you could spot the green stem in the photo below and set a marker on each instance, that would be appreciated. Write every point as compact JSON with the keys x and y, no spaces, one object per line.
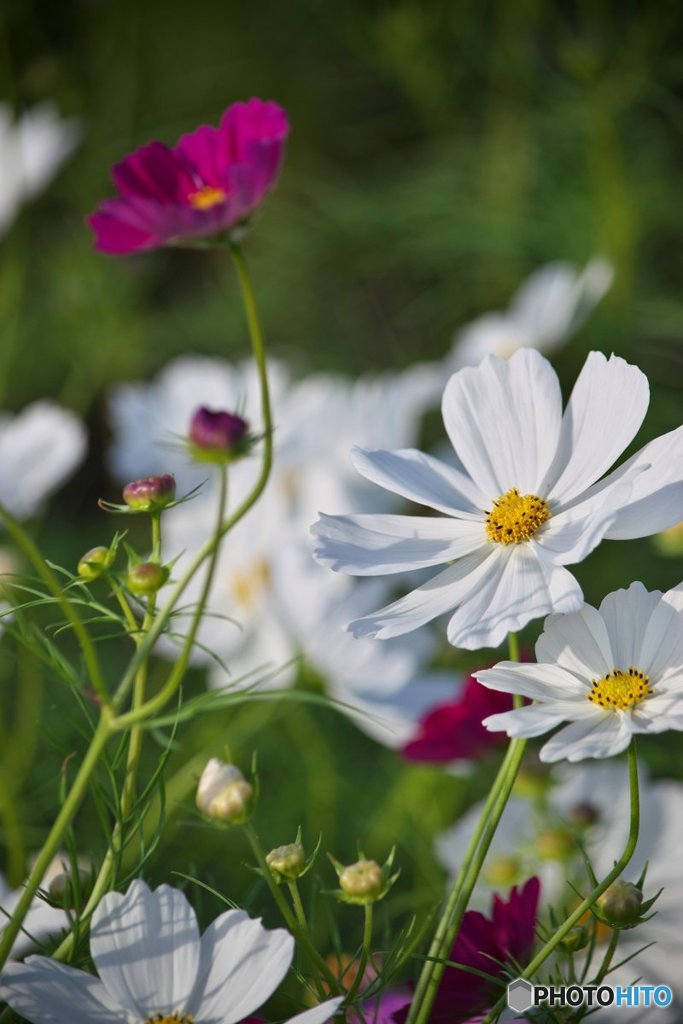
{"x":297,"y":904}
{"x":466,"y":879}
{"x":26,"y":544}
{"x":208,"y":549}
{"x":57,"y":832}
{"x":364,"y":955}
{"x":299,"y":932}
{"x":585,"y":906}
{"x":16,"y":854}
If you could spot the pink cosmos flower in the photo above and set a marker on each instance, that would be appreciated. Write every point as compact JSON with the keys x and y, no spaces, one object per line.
{"x":207,"y":184}
{"x":453,"y":731}
{"x":488,"y":945}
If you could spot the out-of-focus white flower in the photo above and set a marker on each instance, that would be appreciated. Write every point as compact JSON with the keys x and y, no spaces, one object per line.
{"x":39,"y":448}
{"x":599,"y":794}
{"x":40,"y":924}
{"x":153,"y":965}
{"x":549,"y":307}
{"x":31,"y":152}
{"x":611,"y":674}
{"x":522,"y":503}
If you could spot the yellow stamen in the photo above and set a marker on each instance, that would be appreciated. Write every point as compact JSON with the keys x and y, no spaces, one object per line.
{"x":249,"y":584}
{"x":619,"y":691}
{"x":170,"y":1018}
{"x":515,"y":517}
{"x":206,"y":197}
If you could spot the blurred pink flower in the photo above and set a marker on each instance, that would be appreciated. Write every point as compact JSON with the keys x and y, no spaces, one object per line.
{"x":453,"y":731}
{"x":207,"y":184}
{"x":485,"y":944}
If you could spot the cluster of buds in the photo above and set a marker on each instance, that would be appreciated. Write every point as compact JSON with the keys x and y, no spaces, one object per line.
{"x":365,"y":881}
{"x":224,"y":795}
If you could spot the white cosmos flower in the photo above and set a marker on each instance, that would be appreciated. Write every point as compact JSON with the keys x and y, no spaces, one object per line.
{"x":521,"y":504}
{"x":611,"y":673}
{"x":154,"y":966}
{"x":31,"y":152}
{"x":39,"y":448}
{"x":548,"y":308}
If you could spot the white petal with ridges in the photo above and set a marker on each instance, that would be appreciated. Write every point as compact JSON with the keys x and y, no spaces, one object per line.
{"x":503,"y":420}
{"x":317,"y":1015}
{"x":145,"y":945}
{"x":626,"y":614}
{"x":374,"y":545}
{"x":423,"y":479}
{"x":539,"y":682}
{"x":656,"y":497}
{"x":440,"y":594}
{"x":603,"y":415}
{"x":537,"y":719}
{"x":578,"y":642}
{"x":46,"y":992}
{"x":602,"y":736}
{"x":523,"y":587}
{"x":247,"y":963}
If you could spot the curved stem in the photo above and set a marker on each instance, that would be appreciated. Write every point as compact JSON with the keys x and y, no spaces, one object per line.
{"x":586,"y":904}
{"x":26,"y":544}
{"x":299,"y":932}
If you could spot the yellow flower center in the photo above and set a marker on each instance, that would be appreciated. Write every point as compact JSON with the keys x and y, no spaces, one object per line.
{"x":206,"y":197}
{"x":619,"y":691}
{"x":247,"y":586}
{"x":170,"y":1018}
{"x":515,"y":517}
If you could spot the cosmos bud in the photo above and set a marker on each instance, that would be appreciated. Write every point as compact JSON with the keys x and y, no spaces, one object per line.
{"x":223,"y":794}
{"x":363,"y":880}
{"x":621,"y":904}
{"x":150,"y":494}
{"x":146,"y":578}
{"x":95,"y":562}
{"x":218,"y":436}
{"x":287,"y":862}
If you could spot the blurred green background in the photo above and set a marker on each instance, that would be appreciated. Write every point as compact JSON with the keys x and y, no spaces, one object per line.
{"x":439,"y":153}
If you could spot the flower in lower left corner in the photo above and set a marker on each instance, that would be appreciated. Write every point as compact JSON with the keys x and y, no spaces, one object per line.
{"x":154,"y":966}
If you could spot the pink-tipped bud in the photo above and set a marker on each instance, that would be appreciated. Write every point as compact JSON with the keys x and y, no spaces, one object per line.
{"x":220,"y":434}
{"x":146,"y":578}
{"x":150,"y":494}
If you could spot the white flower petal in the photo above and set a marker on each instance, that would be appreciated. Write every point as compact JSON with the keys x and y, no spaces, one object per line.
{"x":317,"y":1015}
{"x":570,"y":535}
{"x":656,"y":497}
{"x":39,"y":449}
{"x":539,"y":682}
{"x":626,"y":614}
{"x":661,"y":648}
{"x":524,"y":587}
{"x":246,"y":964}
{"x":47,"y":992}
{"x":603,"y":415}
{"x":374,"y":545}
{"x":503,"y":420}
{"x":537,"y":719}
{"x":145,"y":946}
{"x":438,"y":595}
{"x":423,"y":479}
{"x":602,"y":736}
{"x":578,"y":642}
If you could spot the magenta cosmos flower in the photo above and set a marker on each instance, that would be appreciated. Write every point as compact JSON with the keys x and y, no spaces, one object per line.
{"x":207,"y":184}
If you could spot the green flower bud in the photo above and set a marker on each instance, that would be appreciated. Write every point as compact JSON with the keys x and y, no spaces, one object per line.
{"x":576,"y":938}
{"x":621,"y":904}
{"x":363,"y":880}
{"x":287,"y":862}
{"x":95,"y":562}
{"x":146,"y":578}
{"x":223,"y":794}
